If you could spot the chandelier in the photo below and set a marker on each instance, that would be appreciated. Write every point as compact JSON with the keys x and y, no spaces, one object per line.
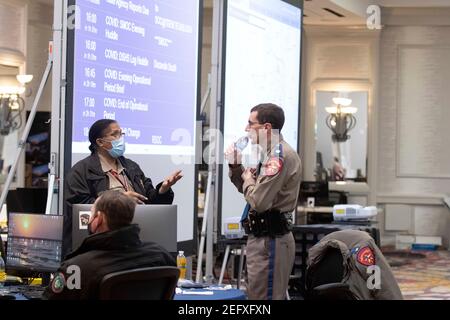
{"x":11,"y":103}
{"x":341,"y":119}
{"x":11,"y":107}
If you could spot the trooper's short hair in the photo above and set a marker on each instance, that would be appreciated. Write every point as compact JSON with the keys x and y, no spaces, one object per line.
{"x":118,"y":208}
{"x":270,"y":113}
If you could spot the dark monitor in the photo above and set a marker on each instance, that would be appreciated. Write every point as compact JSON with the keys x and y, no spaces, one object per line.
{"x":34,"y":242}
{"x":158,"y":223}
{"x":27,"y":200}
{"x":316,"y":189}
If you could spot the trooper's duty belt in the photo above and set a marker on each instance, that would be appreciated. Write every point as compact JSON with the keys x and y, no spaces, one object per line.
{"x":270,"y":223}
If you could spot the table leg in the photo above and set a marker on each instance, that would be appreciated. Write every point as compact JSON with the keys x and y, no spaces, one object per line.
{"x":241,"y":266}
{"x":224,"y":263}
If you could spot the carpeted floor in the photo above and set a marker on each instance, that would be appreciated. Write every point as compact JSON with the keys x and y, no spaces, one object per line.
{"x":422,"y":275}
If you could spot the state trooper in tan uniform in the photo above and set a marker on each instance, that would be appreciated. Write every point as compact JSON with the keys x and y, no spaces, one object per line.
{"x":271,"y":192}
{"x":359,"y":252}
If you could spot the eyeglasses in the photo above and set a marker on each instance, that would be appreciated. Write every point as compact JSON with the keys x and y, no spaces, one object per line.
{"x":251,"y":123}
{"x":117,"y":134}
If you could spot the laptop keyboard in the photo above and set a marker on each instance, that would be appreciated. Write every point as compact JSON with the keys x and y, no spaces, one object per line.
{"x":29,"y":292}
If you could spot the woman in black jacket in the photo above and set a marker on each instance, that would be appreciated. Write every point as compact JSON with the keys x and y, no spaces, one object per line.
{"x":106,"y":169}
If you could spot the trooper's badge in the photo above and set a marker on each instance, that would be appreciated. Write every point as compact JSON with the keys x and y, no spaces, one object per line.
{"x":273,"y":166}
{"x":366,"y":257}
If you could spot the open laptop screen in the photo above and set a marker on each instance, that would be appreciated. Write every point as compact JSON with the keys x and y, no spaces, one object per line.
{"x":34,"y":242}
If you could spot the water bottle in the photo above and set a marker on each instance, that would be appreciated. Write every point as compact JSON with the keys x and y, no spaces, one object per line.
{"x":241,"y":143}
{"x":181,"y":264}
{"x":2,"y":271}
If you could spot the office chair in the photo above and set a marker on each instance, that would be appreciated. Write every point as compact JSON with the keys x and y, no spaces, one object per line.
{"x":324,"y":281}
{"x":154,"y":283}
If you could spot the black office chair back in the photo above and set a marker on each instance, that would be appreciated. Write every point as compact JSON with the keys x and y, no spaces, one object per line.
{"x":329,"y":269}
{"x":154,"y":283}
{"x":324,"y":281}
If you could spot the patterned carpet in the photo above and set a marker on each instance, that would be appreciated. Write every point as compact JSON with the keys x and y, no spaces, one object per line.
{"x":422,"y":275}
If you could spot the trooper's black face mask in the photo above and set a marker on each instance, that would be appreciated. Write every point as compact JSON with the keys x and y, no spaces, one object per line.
{"x":90,"y":232}
{"x":89,"y":229}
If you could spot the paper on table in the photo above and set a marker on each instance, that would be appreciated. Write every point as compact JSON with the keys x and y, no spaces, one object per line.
{"x":227,"y":287}
{"x":200,"y":293}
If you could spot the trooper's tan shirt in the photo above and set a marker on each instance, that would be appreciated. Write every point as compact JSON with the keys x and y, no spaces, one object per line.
{"x":114,"y":184}
{"x":269,"y":191}
{"x":276,"y":187}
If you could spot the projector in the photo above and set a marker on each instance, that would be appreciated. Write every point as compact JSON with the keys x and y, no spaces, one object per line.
{"x":342,"y":212}
{"x":232,"y":228}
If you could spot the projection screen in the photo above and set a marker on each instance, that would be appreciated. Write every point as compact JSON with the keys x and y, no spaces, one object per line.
{"x":261,"y":53}
{"x":137,"y":62}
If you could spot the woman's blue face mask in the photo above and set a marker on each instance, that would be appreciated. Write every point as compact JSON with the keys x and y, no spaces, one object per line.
{"x":118,"y":148}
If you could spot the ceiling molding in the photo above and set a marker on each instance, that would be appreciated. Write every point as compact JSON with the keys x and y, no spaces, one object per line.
{"x":415,"y":16}
{"x":341,"y":31}
{"x":397,"y":12}
{"x":11,"y":57}
{"x":414,"y":3}
{"x":327,"y":12}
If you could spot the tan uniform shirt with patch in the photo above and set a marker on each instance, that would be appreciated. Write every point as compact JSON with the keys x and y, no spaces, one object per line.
{"x":273,"y":189}
{"x":114,"y":184}
{"x":359,"y":251}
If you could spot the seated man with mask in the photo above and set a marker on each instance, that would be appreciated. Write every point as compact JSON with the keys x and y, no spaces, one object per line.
{"x":114,"y":245}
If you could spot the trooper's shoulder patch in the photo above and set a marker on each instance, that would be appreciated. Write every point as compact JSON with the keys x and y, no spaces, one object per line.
{"x":366,"y":257}
{"x":273,"y":166}
{"x":58,"y":283}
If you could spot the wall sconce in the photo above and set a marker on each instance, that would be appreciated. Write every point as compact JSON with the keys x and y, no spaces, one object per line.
{"x":11,"y":103}
{"x":24,"y":79}
{"x":341,"y":119}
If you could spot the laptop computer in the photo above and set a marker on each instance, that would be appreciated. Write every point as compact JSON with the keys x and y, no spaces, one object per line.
{"x":34,"y":242}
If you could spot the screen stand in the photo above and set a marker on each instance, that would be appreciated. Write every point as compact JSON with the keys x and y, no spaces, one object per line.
{"x":210,"y":213}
